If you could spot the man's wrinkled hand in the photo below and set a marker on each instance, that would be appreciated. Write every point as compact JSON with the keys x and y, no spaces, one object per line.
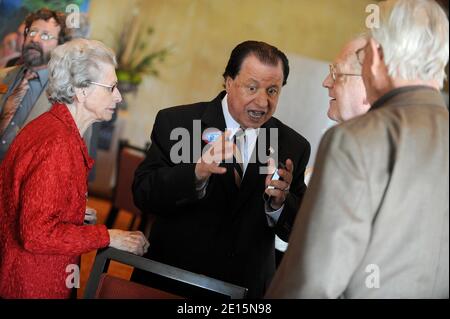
{"x":220,"y":150}
{"x":281,"y":187}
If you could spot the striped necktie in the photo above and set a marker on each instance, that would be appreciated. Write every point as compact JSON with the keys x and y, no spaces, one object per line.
{"x":238,"y":160}
{"x":13,"y":101}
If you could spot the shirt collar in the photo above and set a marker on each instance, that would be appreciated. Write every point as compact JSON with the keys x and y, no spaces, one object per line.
{"x":230,"y":122}
{"x":397,"y":91}
{"x":43,"y":76}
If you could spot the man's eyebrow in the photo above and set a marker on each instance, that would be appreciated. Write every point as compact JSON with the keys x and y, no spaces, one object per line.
{"x":253,"y":80}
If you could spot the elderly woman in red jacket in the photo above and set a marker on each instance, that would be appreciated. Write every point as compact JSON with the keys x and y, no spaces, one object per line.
{"x":43,"y":179}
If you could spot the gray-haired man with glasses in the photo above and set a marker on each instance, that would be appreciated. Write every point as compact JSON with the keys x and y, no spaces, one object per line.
{"x":23,"y":97}
{"x":374,"y":222}
{"x":345,"y":85}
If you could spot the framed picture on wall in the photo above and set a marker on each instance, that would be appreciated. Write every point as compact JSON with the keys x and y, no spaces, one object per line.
{"x":13,"y":12}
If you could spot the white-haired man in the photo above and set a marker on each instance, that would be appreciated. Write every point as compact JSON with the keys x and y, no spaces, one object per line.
{"x":374,"y":222}
{"x":345,"y":85}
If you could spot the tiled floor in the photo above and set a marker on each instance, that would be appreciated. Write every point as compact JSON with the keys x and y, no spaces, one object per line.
{"x":119,"y":270}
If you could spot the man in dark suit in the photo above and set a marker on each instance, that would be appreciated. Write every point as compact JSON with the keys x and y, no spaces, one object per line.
{"x":211,"y":215}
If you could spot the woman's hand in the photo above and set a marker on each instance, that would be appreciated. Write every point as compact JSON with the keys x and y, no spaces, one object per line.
{"x":131,"y":241}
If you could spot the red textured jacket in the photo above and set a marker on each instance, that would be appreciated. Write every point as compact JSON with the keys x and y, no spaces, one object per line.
{"x":43,"y":187}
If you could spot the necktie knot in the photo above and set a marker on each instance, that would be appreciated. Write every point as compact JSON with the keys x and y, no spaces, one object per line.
{"x":239,"y":133}
{"x":239,"y":138}
{"x":29,"y":75}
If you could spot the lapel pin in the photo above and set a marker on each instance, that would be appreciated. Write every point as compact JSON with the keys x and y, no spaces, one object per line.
{"x":210,"y":135}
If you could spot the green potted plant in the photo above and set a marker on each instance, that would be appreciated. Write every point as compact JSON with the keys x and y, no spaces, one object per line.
{"x":135,"y":60}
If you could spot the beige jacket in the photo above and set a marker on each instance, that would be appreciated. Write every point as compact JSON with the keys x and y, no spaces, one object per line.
{"x":374,"y":222}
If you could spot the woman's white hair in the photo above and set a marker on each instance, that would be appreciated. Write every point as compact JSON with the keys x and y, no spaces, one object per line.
{"x":73,"y":65}
{"x":414,"y":38}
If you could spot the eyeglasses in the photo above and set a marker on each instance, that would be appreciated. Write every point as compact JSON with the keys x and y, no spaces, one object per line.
{"x":43,"y":35}
{"x":110,"y":87}
{"x":334,"y":74}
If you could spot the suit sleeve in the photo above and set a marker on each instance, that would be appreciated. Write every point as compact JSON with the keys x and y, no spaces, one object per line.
{"x":160,"y":185}
{"x":295,"y":196}
{"x":333,"y":228}
{"x":43,"y":203}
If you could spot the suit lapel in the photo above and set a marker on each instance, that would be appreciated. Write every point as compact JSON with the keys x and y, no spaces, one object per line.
{"x":42,"y":105}
{"x":213,"y":115}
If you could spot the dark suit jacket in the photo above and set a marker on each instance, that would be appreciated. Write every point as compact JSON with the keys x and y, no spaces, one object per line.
{"x":226,"y":234}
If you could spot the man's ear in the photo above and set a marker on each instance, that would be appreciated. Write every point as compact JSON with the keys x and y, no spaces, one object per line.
{"x":365,"y":101}
{"x":376,"y":57}
{"x":379,"y":81}
{"x":228,"y":83}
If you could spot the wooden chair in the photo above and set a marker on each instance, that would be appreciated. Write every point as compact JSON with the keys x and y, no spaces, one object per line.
{"x":128,"y":159}
{"x":102,"y":285}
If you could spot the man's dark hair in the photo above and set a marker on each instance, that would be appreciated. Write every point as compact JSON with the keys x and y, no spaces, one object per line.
{"x":265,"y":53}
{"x":46,"y":14}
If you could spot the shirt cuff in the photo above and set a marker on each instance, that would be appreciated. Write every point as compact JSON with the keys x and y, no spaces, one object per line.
{"x":272,"y":215}
{"x":200,"y":188}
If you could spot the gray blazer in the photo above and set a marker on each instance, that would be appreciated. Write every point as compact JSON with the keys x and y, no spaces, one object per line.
{"x":374,"y":222}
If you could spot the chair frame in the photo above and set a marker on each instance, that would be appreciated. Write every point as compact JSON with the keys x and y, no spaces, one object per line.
{"x":104,"y":256}
{"x":114,"y":211}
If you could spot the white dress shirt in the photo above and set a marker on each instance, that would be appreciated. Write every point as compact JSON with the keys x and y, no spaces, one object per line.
{"x":246,"y":150}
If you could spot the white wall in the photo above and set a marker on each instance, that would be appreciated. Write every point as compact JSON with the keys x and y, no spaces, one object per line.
{"x":304,"y":102}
